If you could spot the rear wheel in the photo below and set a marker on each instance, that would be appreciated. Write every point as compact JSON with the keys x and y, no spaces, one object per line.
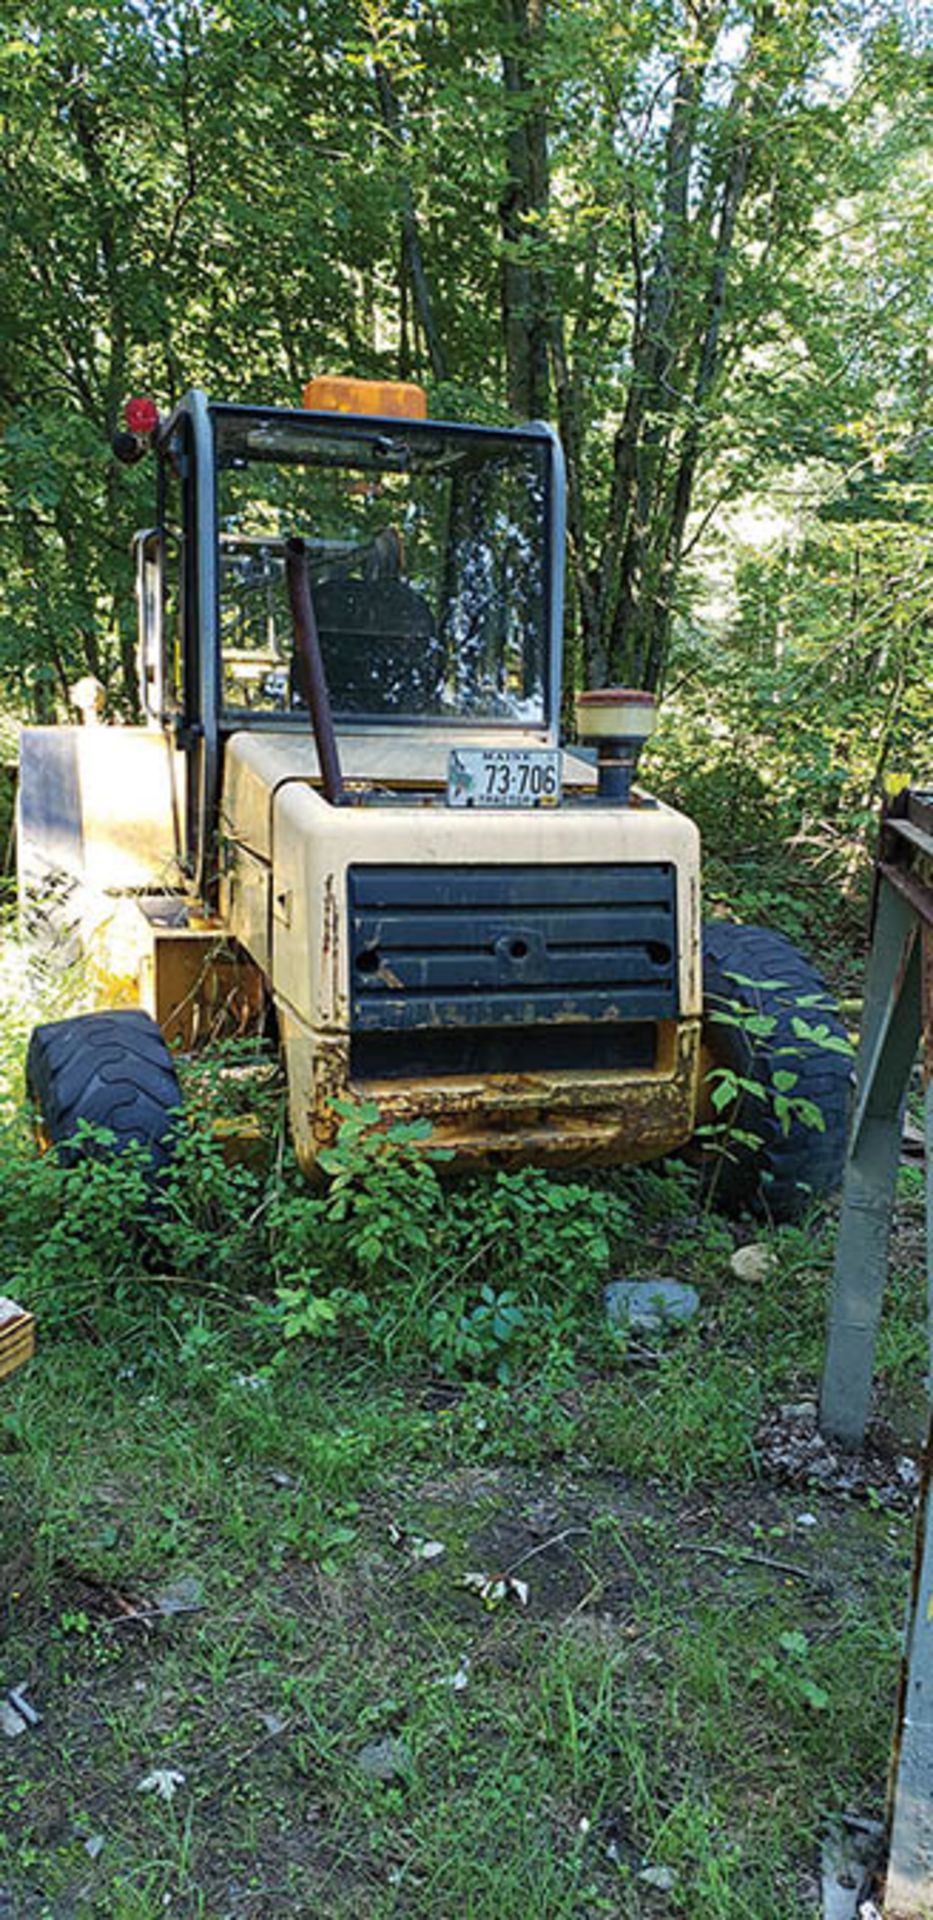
{"x":110,"y":1069}
{"x":783,"y":1167}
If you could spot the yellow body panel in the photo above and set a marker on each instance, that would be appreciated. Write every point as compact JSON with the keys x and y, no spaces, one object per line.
{"x":104,"y":804}
{"x":274,"y":818}
{"x":257,"y":765}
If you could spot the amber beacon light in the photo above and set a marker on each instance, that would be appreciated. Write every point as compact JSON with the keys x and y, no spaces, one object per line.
{"x":387,"y":399}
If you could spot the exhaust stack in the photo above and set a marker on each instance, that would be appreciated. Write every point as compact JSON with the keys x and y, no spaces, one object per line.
{"x":311,"y":676}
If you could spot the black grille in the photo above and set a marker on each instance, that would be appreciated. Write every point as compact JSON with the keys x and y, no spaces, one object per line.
{"x":494,"y":946}
{"x":426,"y":1052}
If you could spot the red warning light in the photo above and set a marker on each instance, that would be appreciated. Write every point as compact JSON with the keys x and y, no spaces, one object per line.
{"x":141,"y":415}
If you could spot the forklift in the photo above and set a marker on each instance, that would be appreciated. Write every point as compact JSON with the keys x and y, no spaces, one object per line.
{"x":349,"y":822}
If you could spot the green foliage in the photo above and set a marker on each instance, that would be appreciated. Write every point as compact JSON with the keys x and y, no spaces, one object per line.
{"x":820,"y":701}
{"x":71,"y":1232}
{"x":470,"y":1279}
{"x":195,"y":197}
{"x":480,"y":1338}
{"x":530,"y":1225}
{"x":383,"y":1191}
{"x":787,"y":1674}
{"x":738,"y":1097}
{"x":540,"y":1737}
{"x":207,"y":1215}
{"x":478,"y":1274}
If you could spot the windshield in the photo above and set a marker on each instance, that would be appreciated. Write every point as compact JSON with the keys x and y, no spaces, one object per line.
{"x":428,"y":560}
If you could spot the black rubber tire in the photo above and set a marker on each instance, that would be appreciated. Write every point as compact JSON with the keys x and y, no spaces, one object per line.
{"x":780,"y":1177}
{"x":112,"y":1069}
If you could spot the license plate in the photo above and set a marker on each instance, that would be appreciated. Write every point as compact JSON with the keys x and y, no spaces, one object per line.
{"x":503,"y":777}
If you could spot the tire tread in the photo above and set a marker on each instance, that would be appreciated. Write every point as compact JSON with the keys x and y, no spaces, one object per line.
{"x":788,"y":1170}
{"x":110,"y":1069}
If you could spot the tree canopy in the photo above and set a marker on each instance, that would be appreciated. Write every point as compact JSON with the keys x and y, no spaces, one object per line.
{"x":696,"y":233}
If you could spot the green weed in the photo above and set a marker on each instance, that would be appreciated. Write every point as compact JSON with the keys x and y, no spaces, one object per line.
{"x":275,"y":1394}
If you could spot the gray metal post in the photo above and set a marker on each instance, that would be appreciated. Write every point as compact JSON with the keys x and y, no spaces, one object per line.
{"x":928,"y":1131}
{"x":887,"y":1050}
{"x":909,"y":1883}
{"x":898,"y":1009}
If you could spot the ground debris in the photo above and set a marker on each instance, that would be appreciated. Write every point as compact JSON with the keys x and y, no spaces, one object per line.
{"x":791,"y":1448}
{"x":852,"y":1853}
{"x":650,"y":1306}
{"x":428,"y":1549}
{"x":387,"y":1759}
{"x":756,"y":1262}
{"x":744,"y":1556}
{"x":663,"y":1879}
{"x":19,"y":1703}
{"x":414,"y":1543}
{"x":460,"y":1679}
{"x":185,"y":1595}
{"x":494,"y":1588}
{"x":163,"y":1781}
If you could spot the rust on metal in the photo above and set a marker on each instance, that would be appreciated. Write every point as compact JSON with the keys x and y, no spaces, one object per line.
{"x":512,"y":1120}
{"x":330,"y":941}
{"x":202,"y":987}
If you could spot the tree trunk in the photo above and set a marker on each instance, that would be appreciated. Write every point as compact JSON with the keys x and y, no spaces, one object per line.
{"x":628,"y":559}
{"x":626,"y":599}
{"x":523,"y":205}
{"x":413,"y":267}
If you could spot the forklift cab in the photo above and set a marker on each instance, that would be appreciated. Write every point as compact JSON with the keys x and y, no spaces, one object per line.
{"x":436,"y":567}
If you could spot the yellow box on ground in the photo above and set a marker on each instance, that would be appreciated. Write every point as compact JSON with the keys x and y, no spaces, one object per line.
{"x":17,"y":1336}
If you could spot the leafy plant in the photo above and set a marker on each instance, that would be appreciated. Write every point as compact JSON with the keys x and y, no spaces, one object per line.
{"x":479,"y":1338}
{"x":787,"y":1674}
{"x":475,"y":1275}
{"x":377,"y":1216}
{"x":73,"y":1230}
{"x":208,"y":1218}
{"x":769,"y":1084}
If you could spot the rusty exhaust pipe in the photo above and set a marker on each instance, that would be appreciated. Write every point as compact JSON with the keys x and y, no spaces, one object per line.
{"x":311,"y":676}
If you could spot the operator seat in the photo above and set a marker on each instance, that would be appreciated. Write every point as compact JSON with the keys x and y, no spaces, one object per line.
{"x":380,"y":647}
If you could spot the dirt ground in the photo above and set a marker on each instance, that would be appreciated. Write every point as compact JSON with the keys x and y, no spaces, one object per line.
{"x":263,"y":1694}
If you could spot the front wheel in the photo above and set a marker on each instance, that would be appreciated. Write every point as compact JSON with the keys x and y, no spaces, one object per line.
{"x":770,"y":1022}
{"x":110,"y":1069}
